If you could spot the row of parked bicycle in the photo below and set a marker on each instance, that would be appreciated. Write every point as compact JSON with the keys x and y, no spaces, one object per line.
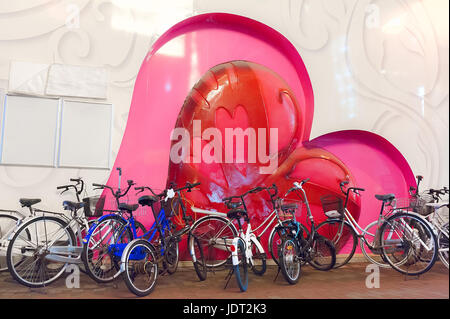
{"x":37,"y":247}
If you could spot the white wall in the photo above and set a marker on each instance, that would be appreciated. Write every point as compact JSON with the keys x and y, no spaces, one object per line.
{"x":380,"y":66}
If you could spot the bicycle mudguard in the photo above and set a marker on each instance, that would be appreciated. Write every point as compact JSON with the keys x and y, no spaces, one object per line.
{"x":234,"y":252}
{"x":95,"y":224}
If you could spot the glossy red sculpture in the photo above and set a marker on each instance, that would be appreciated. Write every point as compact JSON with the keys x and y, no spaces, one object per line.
{"x":242,"y":94}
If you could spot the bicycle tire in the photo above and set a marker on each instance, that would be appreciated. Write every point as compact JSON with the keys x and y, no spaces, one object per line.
{"x":241,"y":269}
{"x":330,"y":228}
{"x":258,"y":269}
{"x":199,"y":263}
{"x":206,"y":230}
{"x":322,"y":246}
{"x":132,"y":269}
{"x":290,"y":265}
{"x":171,"y":255}
{"x":95,"y":271}
{"x":42,"y":262}
{"x":387,"y":250}
{"x":443,"y":244}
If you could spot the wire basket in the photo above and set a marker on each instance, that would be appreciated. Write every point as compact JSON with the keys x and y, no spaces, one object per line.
{"x":289,"y":208}
{"x":416,"y":204}
{"x":93,"y":206}
{"x":332,"y":204}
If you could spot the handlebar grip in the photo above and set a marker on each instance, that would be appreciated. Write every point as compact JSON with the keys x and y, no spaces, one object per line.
{"x":359,"y":189}
{"x":226,"y":199}
{"x":75,"y":179}
{"x":61,"y":187}
{"x":196,"y":184}
{"x":98,"y":185}
{"x":344,"y":183}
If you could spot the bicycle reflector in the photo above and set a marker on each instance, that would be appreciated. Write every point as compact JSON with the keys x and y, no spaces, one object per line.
{"x":232,"y":248}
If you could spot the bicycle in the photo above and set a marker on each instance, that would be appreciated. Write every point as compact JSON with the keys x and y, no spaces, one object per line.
{"x":46,"y":244}
{"x":299,"y":246}
{"x":216,"y":232}
{"x":10,"y":220}
{"x":397,"y":236}
{"x":245,"y":246}
{"x":108,"y":236}
{"x":142,"y":256}
{"x":428,"y":205}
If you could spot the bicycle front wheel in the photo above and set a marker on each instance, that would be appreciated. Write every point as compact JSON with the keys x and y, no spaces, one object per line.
{"x":102,"y":251}
{"x":140,"y":267}
{"x":443,"y":244}
{"x":258,"y":260}
{"x":36,"y":268}
{"x":216,"y":235}
{"x":289,"y":262}
{"x":323,"y":253}
{"x":408,"y":244}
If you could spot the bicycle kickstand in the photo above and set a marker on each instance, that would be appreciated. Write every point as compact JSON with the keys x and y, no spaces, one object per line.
{"x":228,"y":277}
{"x":278,"y":272}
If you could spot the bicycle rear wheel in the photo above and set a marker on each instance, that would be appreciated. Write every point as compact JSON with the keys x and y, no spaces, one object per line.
{"x":199,"y":263}
{"x":323,"y":253}
{"x":241,"y":268}
{"x":343,"y":237}
{"x":36,"y":269}
{"x":171,"y":255}
{"x":408,"y":244}
{"x":140,"y":267}
{"x":215,"y":234}
{"x":289,"y":262}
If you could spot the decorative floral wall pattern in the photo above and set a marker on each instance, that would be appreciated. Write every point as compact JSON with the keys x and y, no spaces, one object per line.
{"x":379,"y":66}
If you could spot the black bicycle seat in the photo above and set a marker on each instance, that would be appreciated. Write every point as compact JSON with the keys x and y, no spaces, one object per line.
{"x":147,"y":200}
{"x":237,"y":213}
{"x":385,"y":198}
{"x":28,"y":202}
{"x":130,"y":208}
{"x":72,"y":205}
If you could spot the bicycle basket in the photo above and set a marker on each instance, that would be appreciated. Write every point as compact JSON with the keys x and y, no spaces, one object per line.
{"x":93,"y":206}
{"x":289,"y":208}
{"x":416,"y":204}
{"x":332,"y":205}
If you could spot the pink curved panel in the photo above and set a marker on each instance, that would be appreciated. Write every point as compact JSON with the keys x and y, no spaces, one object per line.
{"x":176,"y":61}
{"x":374,"y":162}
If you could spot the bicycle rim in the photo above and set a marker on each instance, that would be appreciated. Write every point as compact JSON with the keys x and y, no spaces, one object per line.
{"x":289,"y":262}
{"x":241,"y":269}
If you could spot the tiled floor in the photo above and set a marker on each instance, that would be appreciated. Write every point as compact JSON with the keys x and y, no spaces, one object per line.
{"x":346,"y":282}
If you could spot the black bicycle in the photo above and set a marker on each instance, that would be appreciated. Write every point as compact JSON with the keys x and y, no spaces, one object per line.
{"x":298,"y":246}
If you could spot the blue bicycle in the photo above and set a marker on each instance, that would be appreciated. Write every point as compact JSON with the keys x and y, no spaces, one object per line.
{"x":141,"y":257}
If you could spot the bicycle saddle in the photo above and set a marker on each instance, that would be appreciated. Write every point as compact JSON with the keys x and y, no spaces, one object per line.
{"x":29,"y":202}
{"x":68,"y":205}
{"x":147,"y":200}
{"x":237,"y":213}
{"x":130,"y":208}
{"x":385,"y":198}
